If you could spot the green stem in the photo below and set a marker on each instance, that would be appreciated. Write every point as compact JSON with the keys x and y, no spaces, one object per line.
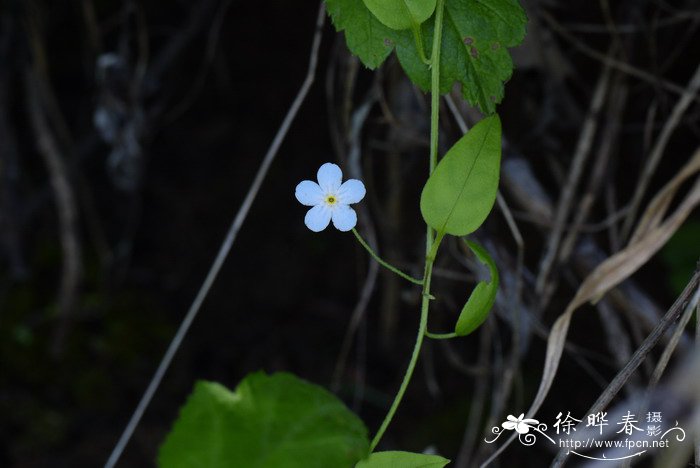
{"x":383,"y":263}
{"x":430,"y":245}
{"x":425,"y":304}
{"x":435,"y":84}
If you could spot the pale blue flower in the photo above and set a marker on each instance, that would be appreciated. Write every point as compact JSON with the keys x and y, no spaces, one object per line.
{"x":330,"y":199}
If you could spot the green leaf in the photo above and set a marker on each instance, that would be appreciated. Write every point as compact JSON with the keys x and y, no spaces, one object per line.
{"x":365,"y":36}
{"x":482,"y":298}
{"x":268,"y":422}
{"x":678,"y":255}
{"x":461,"y":191}
{"x":401,"y":14}
{"x":476,"y":35}
{"x":402,"y":460}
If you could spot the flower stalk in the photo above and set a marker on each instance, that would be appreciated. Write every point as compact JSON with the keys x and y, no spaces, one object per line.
{"x":384,"y":263}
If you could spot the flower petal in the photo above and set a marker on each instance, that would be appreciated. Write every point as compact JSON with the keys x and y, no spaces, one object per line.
{"x":309,"y":193}
{"x":317,"y":218}
{"x":352,"y":191}
{"x":344,"y":218}
{"x":510,"y":417}
{"x":508,"y":425}
{"x":329,"y":177}
{"x":521,"y":428}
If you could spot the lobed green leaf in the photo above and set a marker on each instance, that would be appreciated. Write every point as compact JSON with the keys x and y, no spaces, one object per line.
{"x":462,"y":190}
{"x":365,"y":35}
{"x":402,"y":460}
{"x":268,"y":422}
{"x":401,"y":14}
{"x":481,"y":300}
{"x":475,"y":41}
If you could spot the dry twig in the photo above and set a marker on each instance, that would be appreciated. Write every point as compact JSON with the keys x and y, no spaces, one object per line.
{"x":225,"y":246}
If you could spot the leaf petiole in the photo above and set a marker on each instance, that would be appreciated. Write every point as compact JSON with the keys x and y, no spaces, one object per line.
{"x":440,"y":336}
{"x":418,"y":37}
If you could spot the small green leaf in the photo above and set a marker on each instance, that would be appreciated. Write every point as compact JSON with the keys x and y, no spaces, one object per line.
{"x":475,"y":42}
{"x":365,"y":36}
{"x":401,"y":14}
{"x":402,"y":460}
{"x":482,"y":298}
{"x":268,"y":422}
{"x":461,"y":191}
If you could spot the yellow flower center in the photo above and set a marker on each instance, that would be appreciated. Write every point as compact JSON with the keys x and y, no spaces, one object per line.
{"x":331,"y":199}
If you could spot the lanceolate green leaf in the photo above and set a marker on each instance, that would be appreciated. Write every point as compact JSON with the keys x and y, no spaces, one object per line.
{"x":482,"y":298}
{"x":476,"y":36}
{"x":461,"y":191}
{"x":401,"y":14}
{"x":402,"y":460}
{"x":268,"y":422}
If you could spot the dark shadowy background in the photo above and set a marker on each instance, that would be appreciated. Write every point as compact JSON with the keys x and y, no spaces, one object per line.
{"x":130,"y":133}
